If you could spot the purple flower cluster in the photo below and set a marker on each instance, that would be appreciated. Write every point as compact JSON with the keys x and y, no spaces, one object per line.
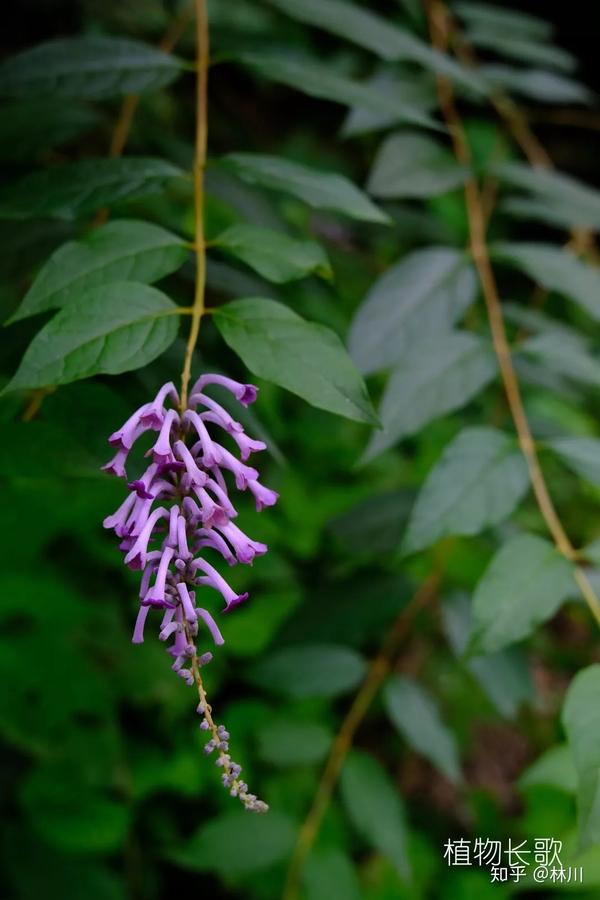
{"x":178,"y":510}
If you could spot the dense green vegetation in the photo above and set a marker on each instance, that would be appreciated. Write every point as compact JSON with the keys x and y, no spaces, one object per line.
{"x":397,"y":262}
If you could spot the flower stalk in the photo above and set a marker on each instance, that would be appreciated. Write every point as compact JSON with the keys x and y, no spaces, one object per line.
{"x":179,"y":509}
{"x":178,"y":512}
{"x":202,"y":61}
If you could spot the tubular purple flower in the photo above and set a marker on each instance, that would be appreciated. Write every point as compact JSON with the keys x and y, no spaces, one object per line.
{"x":161,"y":451}
{"x":118,"y":519}
{"x":219,"y":478}
{"x":208,"y":537}
{"x":116,"y":466}
{"x":167,"y":617}
{"x":186,"y":601}
{"x":173,"y":519}
{"x":244,"y":548}
{"x":242,"y":474}
{"x":179,"y":507}
{"x":247,"y":445}
{"x":126,"y":436}
{"x":138,"y":631}
{"x":166,"y":632}
{"x":138,"y":516}
{"x":212,"y":578}
{"x":136,"y":558}
{"x":262,"y":495}
{"x":212,"y":513}
{"x":141,"y":486}
{"x":179,"y":645}
{"x":196,"y":475}
{"x":245,"y":393}
{"x":142,"y":492}
{"x":211,"y":625}
{"x":149,"y":570}
{"x":167,"y":468}
{"x":156,"y":594}
{"x":221,"y":495}
{"x":217,"y":414}
{"x":182,"y":544}
{"x":209,"y":455}
{"x":155,"y":412}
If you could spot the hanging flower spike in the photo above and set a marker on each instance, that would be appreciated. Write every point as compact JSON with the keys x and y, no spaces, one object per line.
{"x":179,"y":508}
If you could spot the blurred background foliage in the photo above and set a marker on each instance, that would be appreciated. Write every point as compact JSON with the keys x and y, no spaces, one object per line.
{"x":105,"y":791}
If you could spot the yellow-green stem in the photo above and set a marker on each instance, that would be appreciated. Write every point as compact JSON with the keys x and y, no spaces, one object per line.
{"x":378,"y":670}
{"x":199,"y":166}
{"x":438,"y":25}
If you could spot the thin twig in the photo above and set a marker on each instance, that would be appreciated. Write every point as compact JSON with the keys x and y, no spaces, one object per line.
{"x":378,"y":670}
{"x":167,"y":44}
{"x":438,"y":23}
{"x":574,"y":118}
{"x":34,"y":403}
{"x":122,"y":128}
{"x":517,"y":123}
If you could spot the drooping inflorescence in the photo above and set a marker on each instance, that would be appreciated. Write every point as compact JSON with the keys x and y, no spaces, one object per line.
{"x":180,"y":511}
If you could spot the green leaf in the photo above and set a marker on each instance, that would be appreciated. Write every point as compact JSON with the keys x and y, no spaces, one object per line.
{"x":504,"y":20}
{"x":33,"y":605}
{"x":273,"y":254}
{"x":564,"y":354}
{"x":581,"y":720}
{"x":322,"y":190}
{"x":503,"y":676}
{"x":337,"y":612}
{"x":522,"y":49}
{"x":230,"y":281}
{"x":310,"y":670}
{"x":72,"y":817}
{"x":32,"y":127}
{"x":307,"y":359}
{"x":79,"y":188}
{"x":547,"y":211}
{"x":523,"y":586}
{"x":109,"y":329}
{"x":478,"y":481}
{"x":554,"y":768}
{"x":123,"y":250}
{"x":318,"y":80}
{"x":410,"y":165}
{"x":237,"y":843}
{"x":354,"y":23}
{"x":426,"y":292}
{"x":93,"y":68}
{"x":375,"y":808}
{"x":285,"y":741}
{"x":416,"y":91}
{"x":563,"y":197}
{"x":581,"y":454}
{"x":529,"y":319}
{"x":537,"y":84}
{"x":435,"y":377}
{"x":415,"y":715}
{"x":34,"y":868}
{"x":556,"y":269}
{"x":373,"y":527}
{"x":330,"y":873}
{"x":154,"y":771}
